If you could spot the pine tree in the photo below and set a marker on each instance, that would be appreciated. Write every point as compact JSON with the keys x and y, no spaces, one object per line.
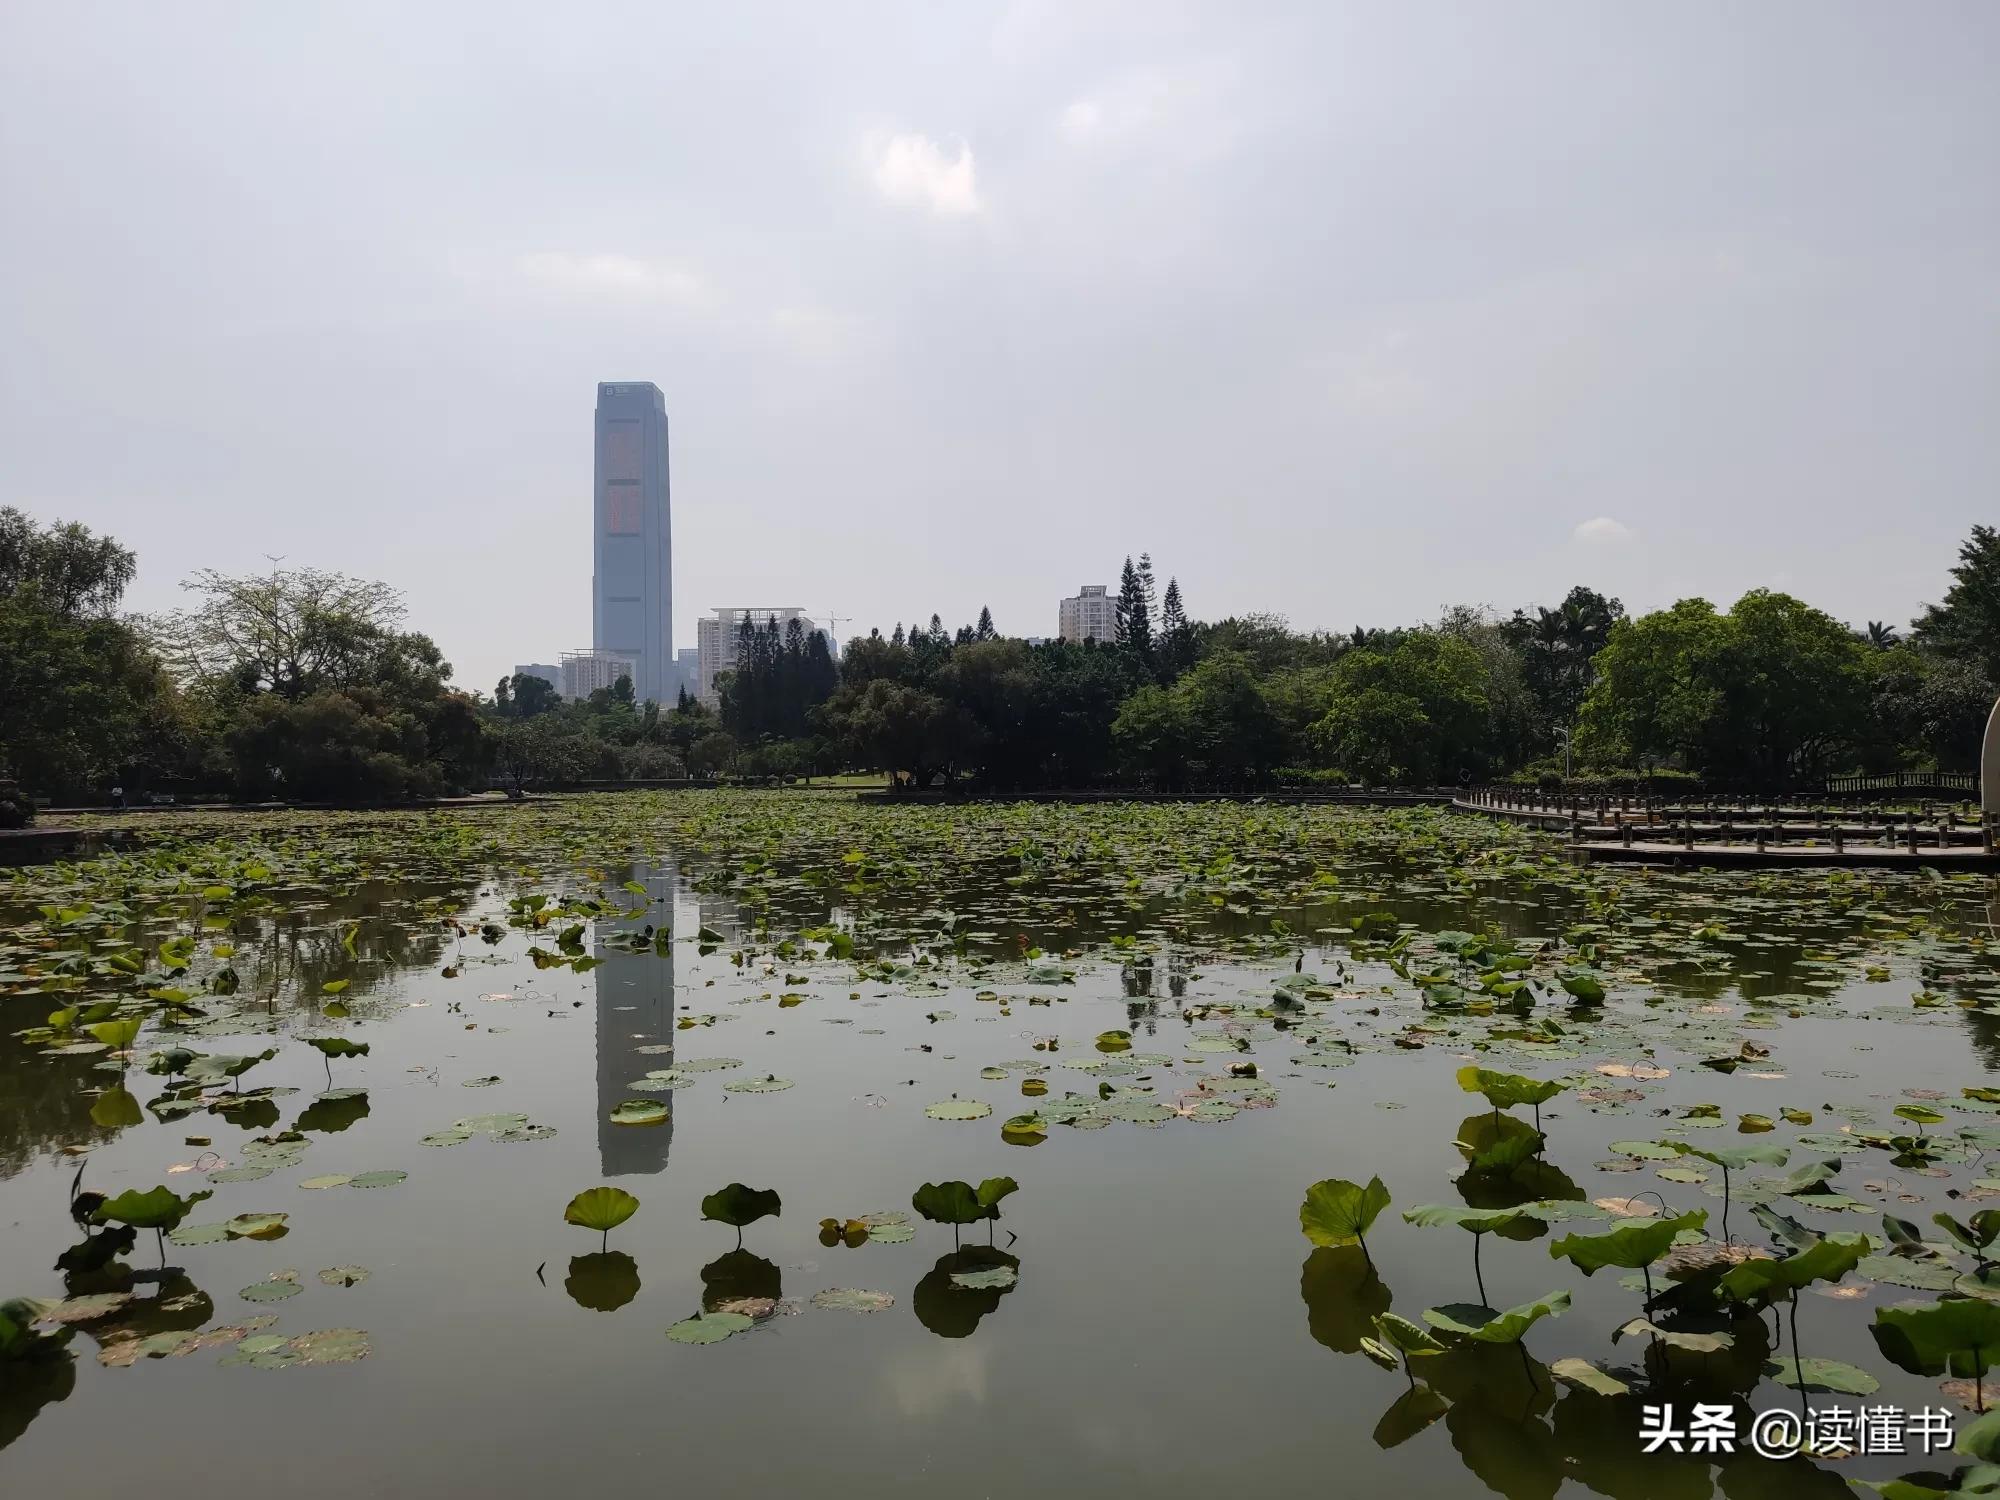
{"x":984,"y":630}
{"x":1176,"y":633}
{"x":897,"y":638}
{"x":937,"y":630}
{"x":1146,"y":590}
{"x":1134,"y":621}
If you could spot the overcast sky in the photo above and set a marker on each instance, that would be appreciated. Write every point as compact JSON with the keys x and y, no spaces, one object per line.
{"x":1343,"y":311}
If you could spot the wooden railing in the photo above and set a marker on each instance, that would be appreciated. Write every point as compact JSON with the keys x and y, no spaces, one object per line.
{"x":1904,"y":781}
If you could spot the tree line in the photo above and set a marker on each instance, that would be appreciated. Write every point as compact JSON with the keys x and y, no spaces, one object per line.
{"x":307,"y":685}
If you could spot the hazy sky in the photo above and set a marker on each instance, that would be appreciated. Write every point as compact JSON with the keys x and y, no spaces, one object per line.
{"x":1343,"y":311}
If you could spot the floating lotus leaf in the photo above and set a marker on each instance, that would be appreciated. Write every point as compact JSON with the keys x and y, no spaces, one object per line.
{"x":849,"y":1299}
{"x":516,"y":1133}
{"x":769,"y":1084}
{"x":709,"y":1327}
{"x":958,"y":1109}
{"x":1024,"y":1130}
{"x":256,"y":1226}
{"x":640,"y":1112}
{"x":344,"y":1275}
{"x":388,"y":1178}
{"x":986,"y":1279}
{"x":199,"y":1234}
{"x":329,"y":1346}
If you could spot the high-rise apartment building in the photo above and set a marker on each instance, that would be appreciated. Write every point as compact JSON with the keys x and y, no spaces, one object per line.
{"x":584,"y":672}
{"x":632,"y":576}
{"x":715,"y":640}
{"x":1091,"y":616}
{"x":551,"y":675}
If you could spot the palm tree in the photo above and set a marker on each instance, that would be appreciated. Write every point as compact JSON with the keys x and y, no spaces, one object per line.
{"x":1882,"y":636}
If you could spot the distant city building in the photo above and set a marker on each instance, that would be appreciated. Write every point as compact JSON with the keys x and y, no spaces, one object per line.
{"x":584,"y":672}
{"x":551,"y":675}
{"x":715,"y":641}
{"x":687,"y":670}
{"x":1091,"y":616}
{"x":632,"y":574}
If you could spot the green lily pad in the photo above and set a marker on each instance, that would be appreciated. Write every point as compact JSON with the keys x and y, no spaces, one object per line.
{"x":849,"y":1299}
{"x":769,"y":1084}
{"x":958,"y":1109}
{"x":708,"y":1328}
{"x":640,"y":1112}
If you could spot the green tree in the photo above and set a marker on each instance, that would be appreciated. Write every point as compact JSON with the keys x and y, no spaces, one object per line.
{"x":83,"y":702}
{"x":1154,"y":735}
{"x":1177,"y":648}
{"x":1967,"y":623}
{"x":1772,"y":693}
{"x":1416,"y":713}
{"x":892,"y":727}
{"x":1133,"y":623}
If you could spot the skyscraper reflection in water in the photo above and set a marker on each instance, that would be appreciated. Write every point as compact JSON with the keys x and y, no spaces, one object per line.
{"x":635,"y":1010}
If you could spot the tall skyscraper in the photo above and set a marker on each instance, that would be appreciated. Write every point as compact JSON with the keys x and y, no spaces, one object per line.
{"x":632,"y":577}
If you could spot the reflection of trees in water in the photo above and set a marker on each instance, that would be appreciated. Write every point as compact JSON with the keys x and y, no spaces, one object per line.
{"x":304,"y":948}
{"x":45,"y":1101}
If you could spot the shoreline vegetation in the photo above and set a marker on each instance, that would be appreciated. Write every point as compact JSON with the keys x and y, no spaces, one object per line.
{"x":306,"y":686}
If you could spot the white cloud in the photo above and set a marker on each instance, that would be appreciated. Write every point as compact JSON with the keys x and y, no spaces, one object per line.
{"x":1081,"y":119}
{"x":1602,"y":529}
{"x":914,"y":171}
{"x":621,"y":278}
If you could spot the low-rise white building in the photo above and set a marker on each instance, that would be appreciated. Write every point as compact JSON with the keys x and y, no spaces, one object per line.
{"x":1092,"y":615}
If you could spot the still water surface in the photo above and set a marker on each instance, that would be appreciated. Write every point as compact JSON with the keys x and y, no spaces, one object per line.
{"x":1170,"y":1327}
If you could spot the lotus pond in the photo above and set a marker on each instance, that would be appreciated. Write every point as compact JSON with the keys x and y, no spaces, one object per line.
{"x":770,"y":1144}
